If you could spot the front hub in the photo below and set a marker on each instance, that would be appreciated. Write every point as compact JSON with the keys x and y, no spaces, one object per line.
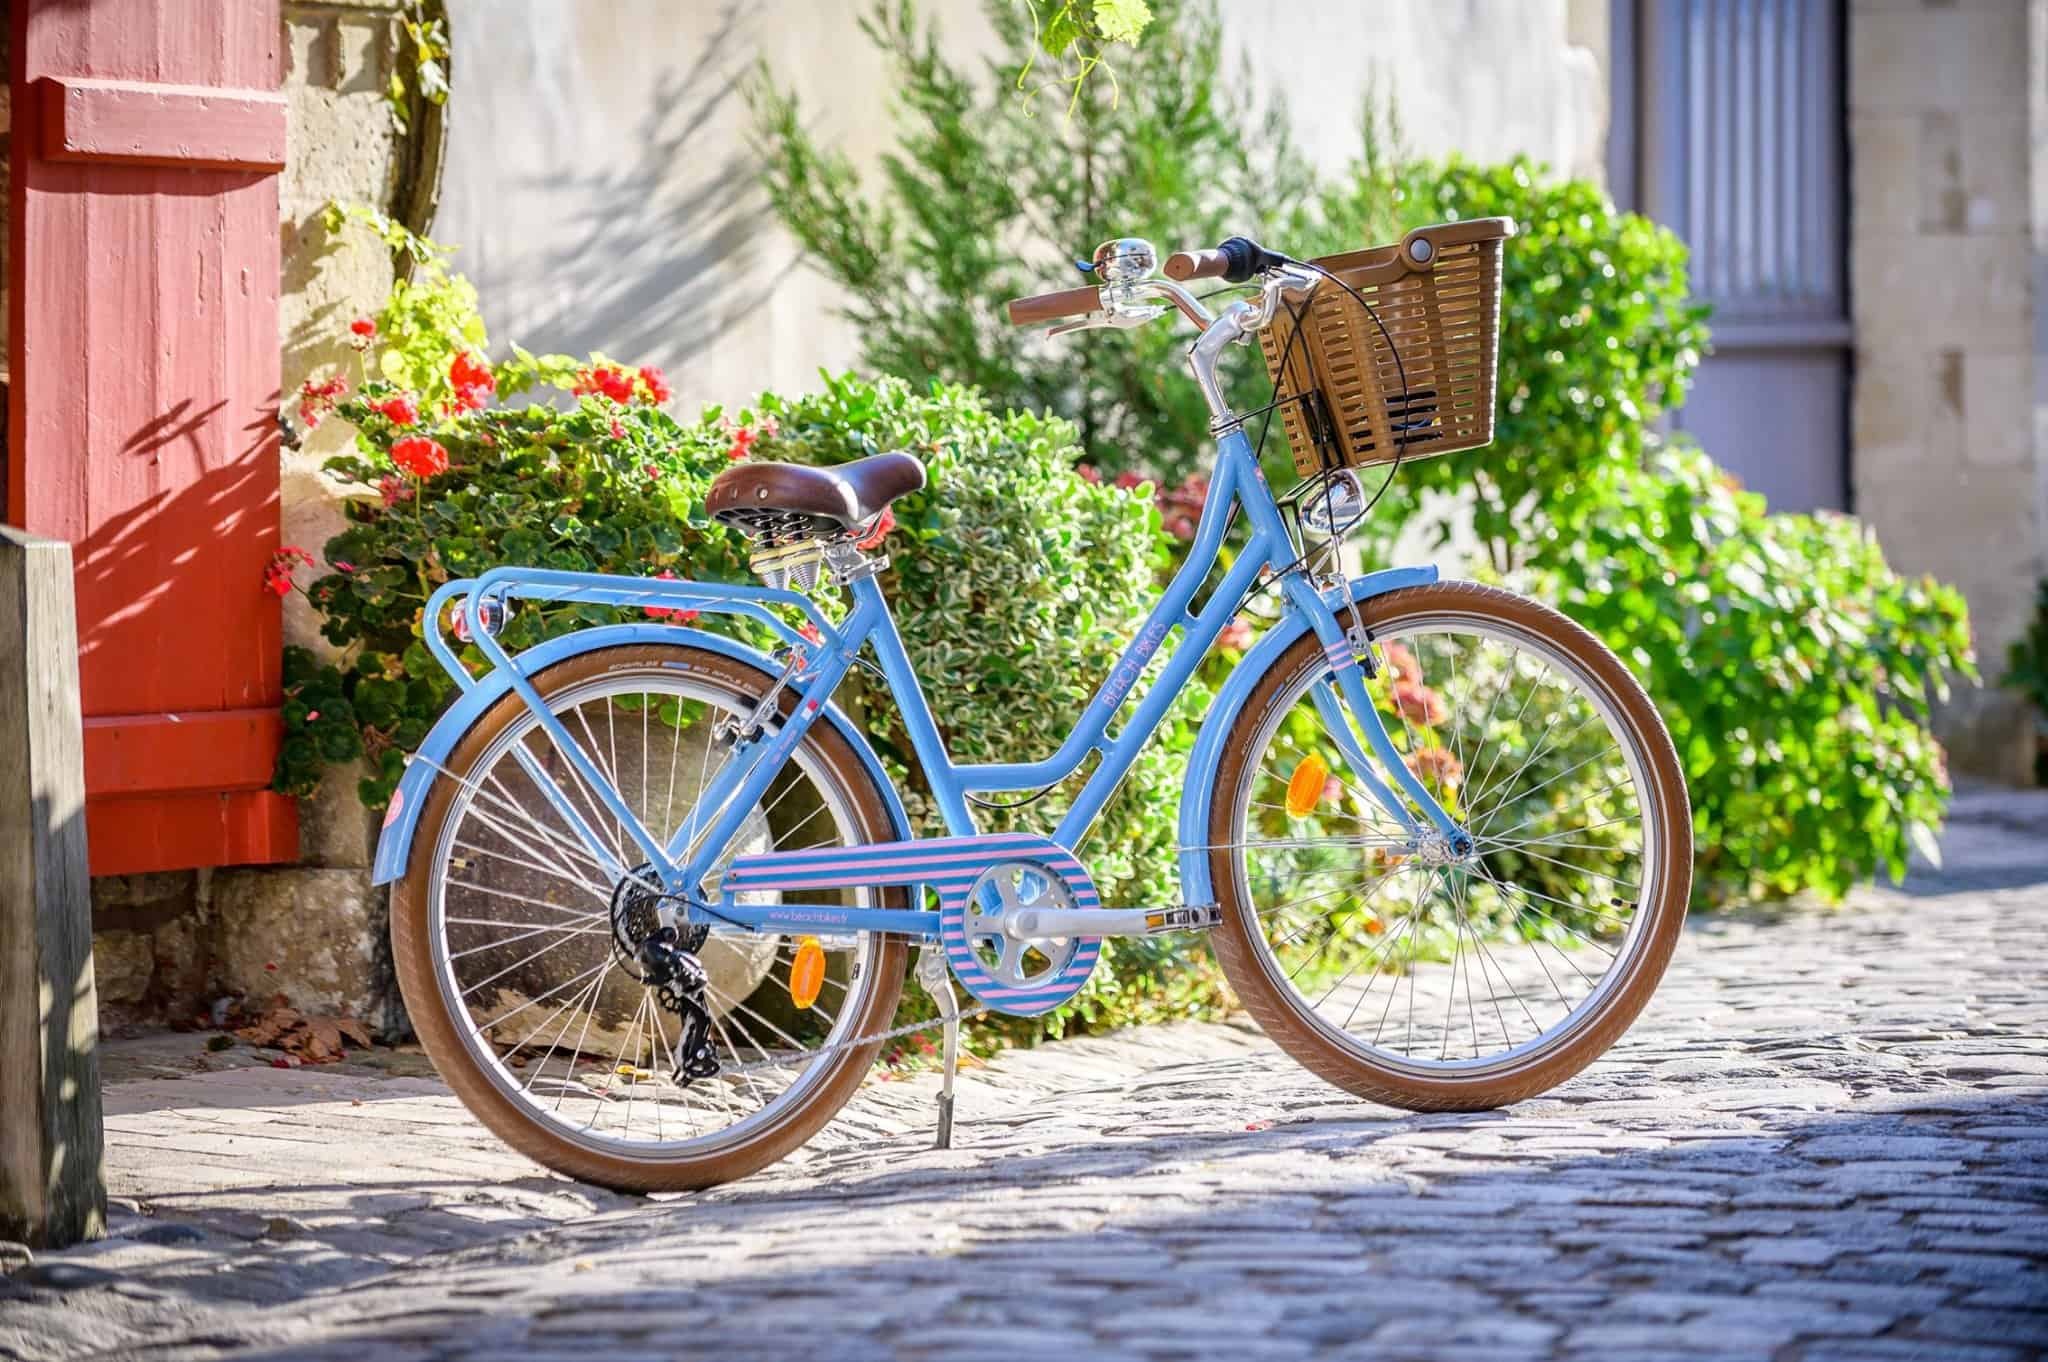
{"x":1434,"y":846}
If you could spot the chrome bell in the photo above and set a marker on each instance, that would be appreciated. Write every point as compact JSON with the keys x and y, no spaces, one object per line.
{"x":1125,"y":260}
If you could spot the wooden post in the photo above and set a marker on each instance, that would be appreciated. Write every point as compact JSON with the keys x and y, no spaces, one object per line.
{"x":52,"y":1192}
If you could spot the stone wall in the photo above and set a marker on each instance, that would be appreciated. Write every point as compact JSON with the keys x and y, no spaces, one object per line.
{"x":1948,"y":234}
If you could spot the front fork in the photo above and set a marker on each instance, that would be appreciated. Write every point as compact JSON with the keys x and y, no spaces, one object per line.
{"x":1345,"y":639}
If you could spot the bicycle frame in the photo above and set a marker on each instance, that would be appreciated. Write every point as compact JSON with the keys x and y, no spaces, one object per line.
{"x":822,"y":654}
{"x":1238,"y":485}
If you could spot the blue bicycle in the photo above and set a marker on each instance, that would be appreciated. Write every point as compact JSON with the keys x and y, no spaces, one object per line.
{"x":654,"y":892}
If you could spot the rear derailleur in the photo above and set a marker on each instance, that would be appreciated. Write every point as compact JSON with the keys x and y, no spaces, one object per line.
{"x":665,"y":960}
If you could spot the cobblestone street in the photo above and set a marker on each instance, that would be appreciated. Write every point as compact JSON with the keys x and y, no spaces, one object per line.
{"x":1827,"y":1139}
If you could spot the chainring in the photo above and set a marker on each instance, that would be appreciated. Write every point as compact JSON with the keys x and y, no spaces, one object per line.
{"x":1019,"y":977}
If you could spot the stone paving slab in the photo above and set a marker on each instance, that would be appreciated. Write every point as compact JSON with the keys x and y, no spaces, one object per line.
{"x":1827,"y":1139}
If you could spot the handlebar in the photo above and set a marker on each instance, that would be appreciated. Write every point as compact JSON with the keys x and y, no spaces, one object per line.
{"x":1235,"y":261}
{"x":1046,"y":307}
{"x":1186,"y":265}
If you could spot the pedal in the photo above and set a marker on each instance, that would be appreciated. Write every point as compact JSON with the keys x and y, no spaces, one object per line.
{"x":1184,"y":918}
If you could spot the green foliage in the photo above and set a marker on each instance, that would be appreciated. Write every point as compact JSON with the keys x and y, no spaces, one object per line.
{"x":599,"y":487}
{"x":1081,"y":29}
{"x":2027,"y":663}
{"x":1791,"y":665}
{"x":425,"y":54}
{"x":429,"y":317}
{"x":1794,"y":669}
{"x":981,"y":202}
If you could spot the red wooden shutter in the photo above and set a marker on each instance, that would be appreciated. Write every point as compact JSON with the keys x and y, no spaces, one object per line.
{"x":147,"y":137}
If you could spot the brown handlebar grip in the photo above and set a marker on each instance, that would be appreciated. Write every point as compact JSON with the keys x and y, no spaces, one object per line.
{"x":1046,"y":307}
{"x":1185,"y":265}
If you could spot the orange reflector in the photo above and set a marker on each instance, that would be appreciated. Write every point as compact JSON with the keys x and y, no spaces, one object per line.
{"x":1305,"y":787}
{"x":807,"y":972}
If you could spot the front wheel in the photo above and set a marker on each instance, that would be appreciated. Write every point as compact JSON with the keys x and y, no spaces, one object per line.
{"x":1408,"y":974}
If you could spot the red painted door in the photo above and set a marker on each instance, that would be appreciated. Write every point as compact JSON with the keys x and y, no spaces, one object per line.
{"x":143,"y":355}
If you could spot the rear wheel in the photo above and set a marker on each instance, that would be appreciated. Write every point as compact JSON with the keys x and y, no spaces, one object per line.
{"x":1394,"y":967}
{"x":514,"y":956}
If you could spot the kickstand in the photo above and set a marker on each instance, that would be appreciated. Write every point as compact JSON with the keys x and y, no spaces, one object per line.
{"x":937,"y":980}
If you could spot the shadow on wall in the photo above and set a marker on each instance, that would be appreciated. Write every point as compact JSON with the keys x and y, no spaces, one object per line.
{"x":642,"y":244}
{"x":136,"y":591}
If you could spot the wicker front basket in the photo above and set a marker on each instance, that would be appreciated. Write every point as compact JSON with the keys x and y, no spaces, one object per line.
{"x":1425,"y":385}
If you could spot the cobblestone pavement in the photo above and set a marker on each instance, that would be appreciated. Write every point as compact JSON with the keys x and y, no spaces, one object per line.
{"x":1827,"y":1139}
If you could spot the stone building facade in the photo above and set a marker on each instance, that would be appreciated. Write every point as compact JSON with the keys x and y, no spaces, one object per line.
{"x":600,"y":188}
{"x":1948,"y":230}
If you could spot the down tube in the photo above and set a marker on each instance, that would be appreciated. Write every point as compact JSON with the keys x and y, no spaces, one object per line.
{"x":1194,"y":646}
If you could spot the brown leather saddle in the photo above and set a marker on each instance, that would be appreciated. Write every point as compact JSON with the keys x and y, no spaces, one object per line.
{"x":787,"y":500}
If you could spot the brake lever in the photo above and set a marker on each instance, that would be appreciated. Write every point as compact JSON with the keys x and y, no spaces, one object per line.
{"x":1123,"y":319}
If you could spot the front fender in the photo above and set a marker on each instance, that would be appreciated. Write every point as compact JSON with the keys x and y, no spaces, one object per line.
{"x":401,"y":819}
{"x":1200,"y":791}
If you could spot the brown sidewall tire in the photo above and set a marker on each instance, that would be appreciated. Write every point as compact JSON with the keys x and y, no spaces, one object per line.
{"x":412,"y":948}
{"x":1240,"y":952}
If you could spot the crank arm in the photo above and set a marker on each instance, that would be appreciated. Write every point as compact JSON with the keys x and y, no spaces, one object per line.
{"x":1042,"y":924}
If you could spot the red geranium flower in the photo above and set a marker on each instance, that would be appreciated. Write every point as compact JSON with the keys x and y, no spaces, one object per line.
{"x":471,"y":378}
{"x":402,"y":410}
{"x":420,"y":456}
{"x":884,"y":523}
{"x":606,"y":379}
{"x":277,"y":575}
{"x":318,"y":399}
{"x":363,"y":326}
{"x":393,"y":489}
{"x":742,"y":444}
{"x":656,"y":383}
{"x":662,"y":612}
{"x":1089,"y":473}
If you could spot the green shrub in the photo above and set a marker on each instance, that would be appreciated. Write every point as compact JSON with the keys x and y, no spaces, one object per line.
{"x":1015,"y":580}
{"x":1794,"y":669}
{"x":986,"y":198}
